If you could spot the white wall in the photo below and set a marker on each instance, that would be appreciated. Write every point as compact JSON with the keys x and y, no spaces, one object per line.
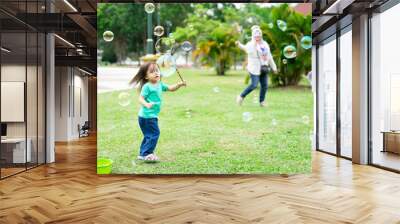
{"x":70,"y":83}
{"x":62,"y":81}
{"x":33,"y":126}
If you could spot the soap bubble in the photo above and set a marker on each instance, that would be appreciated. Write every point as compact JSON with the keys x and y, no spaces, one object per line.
{"x":188,"y":113}
{"x":164,"y":44}
{"x":191,"y":27}
{"x":255,"y":99}
{"x":247,"y":116}
{"x":306,"y":42}
{"x":149,"y":7}
{"x":311,"y":136}
{"x":281,"y":25}
{"x":158,"y":31}
{"x":216,"y":89}
{"x":251,"y":20}
{"x":284,"y":61}
{"x":108,"y":36}
{"x":124,"y":99}
{"x":186,"y":46}
{"x":289,"y":51}
{"x":220,"y":5}
{"x":274,"y":122}
{"x":167,"y":65}
{"x":238,"y":28}
{"x":270,"y":25}
{"x":210,"y":12}
{"x":305,"y":119}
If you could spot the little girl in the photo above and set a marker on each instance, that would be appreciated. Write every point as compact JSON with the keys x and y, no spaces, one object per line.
{"x":151,"y":89}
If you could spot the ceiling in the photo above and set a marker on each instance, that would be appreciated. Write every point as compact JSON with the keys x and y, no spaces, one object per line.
{"x":74,"y":22}
{"x":328,"y":14}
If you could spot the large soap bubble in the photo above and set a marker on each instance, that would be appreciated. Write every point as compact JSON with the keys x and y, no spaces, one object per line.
{"x":210,"y":12}
{"x":167,"y":65}
{"x":158,"y":31}
{"x":289,"y":51}
{"x":191,"y":27}
{"x":186,"y":46}
{"x":306,"y":42}
{"x":247,"y":116}
{"x":305,"y":119}
{"x":281,"y":25}
{"x":165,"y":44}
{"x":124,"y":99}
{"x":216,"y":89}
{"x":149,"y":7}
{"x":252,"y":20}
{"x":108,"y":36}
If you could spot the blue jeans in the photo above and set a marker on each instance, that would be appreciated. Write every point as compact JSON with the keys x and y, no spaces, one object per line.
{"x":151,"y":132}
{"x":255,"y":79}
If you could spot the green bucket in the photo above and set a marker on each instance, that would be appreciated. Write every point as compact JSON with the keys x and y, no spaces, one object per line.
{"x":104,"y":166}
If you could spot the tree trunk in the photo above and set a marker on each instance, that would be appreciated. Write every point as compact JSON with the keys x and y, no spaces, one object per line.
{"x":221,"y":67}
{"x":120,"y":50}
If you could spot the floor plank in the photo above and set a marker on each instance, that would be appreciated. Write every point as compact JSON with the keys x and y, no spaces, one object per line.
{"x":70,"y":191}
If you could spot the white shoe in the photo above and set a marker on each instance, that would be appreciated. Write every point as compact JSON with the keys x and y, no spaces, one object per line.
{"x":263,"y":104}
{"x":239,"y":100}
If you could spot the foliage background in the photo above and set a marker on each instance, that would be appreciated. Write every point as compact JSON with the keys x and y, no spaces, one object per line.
{"x":213,"y":30}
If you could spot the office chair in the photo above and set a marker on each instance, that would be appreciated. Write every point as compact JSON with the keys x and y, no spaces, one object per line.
{"x":84,"y":130}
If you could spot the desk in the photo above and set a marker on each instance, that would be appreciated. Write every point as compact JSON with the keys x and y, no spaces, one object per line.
{"x":18,"y":151}
{"x":391,"y":141}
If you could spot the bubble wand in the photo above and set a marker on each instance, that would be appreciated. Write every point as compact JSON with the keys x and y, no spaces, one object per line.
{"x":173,"y":50}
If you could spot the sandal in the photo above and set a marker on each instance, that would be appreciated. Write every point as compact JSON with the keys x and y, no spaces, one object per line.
{"x":151,"y":158}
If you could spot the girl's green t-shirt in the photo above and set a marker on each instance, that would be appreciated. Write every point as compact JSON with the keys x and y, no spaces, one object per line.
{"x":152,"y":93}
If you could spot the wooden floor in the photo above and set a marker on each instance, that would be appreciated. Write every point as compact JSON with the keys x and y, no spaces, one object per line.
{"x":10,"y":171}
{"x":69,"y":191}
{"x":387,"y":159}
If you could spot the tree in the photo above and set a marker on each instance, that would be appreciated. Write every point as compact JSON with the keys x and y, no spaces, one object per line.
{"x":168,"y":15}
{"x":117,"y":18}
{"x":214,"y":40}
{"x":297,"y":27}
{"x":128,"y":22}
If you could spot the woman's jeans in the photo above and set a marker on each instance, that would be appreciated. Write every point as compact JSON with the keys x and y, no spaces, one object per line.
{"x":255,"y":79}
{"x":151,"y":132}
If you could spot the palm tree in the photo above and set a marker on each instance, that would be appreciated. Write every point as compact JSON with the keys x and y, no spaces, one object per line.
{"x":213,"y":40}
{"x":297,"y":27}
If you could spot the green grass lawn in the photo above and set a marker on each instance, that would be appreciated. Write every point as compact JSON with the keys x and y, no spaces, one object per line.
{"x":203,"y":132}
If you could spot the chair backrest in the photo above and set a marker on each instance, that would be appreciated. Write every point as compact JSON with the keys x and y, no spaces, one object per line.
{"x":86,"y":125}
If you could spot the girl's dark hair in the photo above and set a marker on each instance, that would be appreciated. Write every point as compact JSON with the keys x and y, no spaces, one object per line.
{"x":140,"y":77}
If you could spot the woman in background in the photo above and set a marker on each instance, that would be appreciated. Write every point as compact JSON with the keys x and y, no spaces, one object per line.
{"x":259,"y":64}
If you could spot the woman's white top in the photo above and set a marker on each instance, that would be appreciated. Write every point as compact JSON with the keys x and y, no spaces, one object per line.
{"x":255,"y":60}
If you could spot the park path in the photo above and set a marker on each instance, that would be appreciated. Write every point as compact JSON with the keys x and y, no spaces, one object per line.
{"x":114,"y":78}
